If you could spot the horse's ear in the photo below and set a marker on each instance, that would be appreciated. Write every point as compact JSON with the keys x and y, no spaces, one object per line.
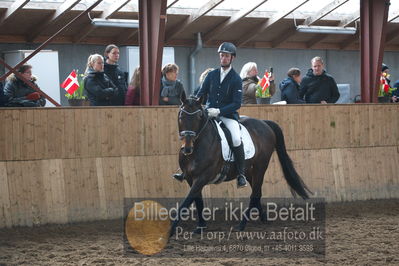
{"x":183,"y":98}
{"x":200,"y":100}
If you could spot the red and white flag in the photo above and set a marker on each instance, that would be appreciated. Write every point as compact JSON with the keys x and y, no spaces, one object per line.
{"x":71,"y":83}
{"x":265,"y":81}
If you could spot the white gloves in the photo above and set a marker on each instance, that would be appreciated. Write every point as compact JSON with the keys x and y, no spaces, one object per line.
{"x":213,"y":112}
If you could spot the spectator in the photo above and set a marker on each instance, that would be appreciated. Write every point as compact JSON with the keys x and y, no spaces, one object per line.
{"x":20,"y":94}
{"x":3,"y":98}
{"x":133,"y":91}
{"x":99,"y":89}
{"x":171,"y":87}
{"x":395,"y":93}
{"x":318,"y":86}
{"x":201,"y":80}
{"x":385,"y":73}
{"x":290,"y":87}
{"x":117,"y":76}
{"x":250,"y":79}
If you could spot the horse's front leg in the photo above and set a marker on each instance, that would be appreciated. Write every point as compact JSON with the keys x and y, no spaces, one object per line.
{"x":195,"y":193}
{"x":199,"y":204}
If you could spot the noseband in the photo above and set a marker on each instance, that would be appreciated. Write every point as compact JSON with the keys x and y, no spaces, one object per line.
{"x":190,"y":133}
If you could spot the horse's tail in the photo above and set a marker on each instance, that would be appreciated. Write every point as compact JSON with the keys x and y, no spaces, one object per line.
{"x":293,"y":179}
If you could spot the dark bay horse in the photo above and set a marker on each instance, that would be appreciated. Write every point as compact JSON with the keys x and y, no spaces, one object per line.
{"x":200,"y":157}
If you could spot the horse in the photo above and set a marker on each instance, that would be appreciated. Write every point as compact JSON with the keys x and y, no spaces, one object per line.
{"x":200,"y":140}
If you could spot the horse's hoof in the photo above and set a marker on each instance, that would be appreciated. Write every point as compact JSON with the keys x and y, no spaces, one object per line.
{"x":199,"y":230}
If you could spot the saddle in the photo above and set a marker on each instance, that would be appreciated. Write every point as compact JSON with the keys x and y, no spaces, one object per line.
{"x":226,"y":142}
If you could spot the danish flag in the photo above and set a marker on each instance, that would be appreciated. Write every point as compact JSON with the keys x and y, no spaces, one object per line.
{"x":71,"y":83}
{"x":384,"y":83}
{"x":265,"y":81}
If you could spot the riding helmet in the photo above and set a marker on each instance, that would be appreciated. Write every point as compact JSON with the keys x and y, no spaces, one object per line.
{"x":227,"y":47}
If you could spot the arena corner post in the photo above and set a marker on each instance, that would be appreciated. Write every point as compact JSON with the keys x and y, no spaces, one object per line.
{"x":373,"y":21}
{"x":152,"y":17}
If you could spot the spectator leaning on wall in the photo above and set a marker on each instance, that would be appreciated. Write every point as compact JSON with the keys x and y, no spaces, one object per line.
{"x":290,"y":87}
{"x":171,"y":87}
{"x":20,"y":94}
{"x":395,"y":93}
{"x":3,"y":99}
{"x":318,"y":86}
{"x":117,"y":76}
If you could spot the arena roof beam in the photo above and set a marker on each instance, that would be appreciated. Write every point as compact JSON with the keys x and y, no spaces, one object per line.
{"x":132,"y":33}
{"x":350,"y":19}
{"x":393,"y":16}
{"x":171,"y":4}
{"x":350,"y":40}
{"x":202,"y":11}
{"x":344,"y":23}
{"x":112,"y":9}
{"x":392,"y":35}
{"x":12,"y":10}
{"x":276,"y":42}
{"x":324,"y":11}
{"x":231,"y":21}
{"x":267,"y":24}
{"x":59,"y":12}
{"x":318,"y":38}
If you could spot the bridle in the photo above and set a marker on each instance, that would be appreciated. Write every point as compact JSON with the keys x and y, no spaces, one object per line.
{"x":190,"y":133}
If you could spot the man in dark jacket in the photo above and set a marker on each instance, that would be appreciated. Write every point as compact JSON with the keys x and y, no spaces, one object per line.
{"x":395,"y":93}
{"x":3,"y":98}
{"x":317,"y":86}
{"x":290,"y":87}
{"x":224,"y":89}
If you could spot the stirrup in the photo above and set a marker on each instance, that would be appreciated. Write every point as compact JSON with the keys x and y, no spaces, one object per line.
{"x":241,"y":185}
{"x":178,"y":177}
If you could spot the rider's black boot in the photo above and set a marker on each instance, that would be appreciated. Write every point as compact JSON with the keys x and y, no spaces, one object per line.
{"x":179,"y":177}
{"x":240,"y":164}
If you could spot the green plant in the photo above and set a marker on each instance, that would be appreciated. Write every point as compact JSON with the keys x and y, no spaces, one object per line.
{"x":385,"y":89}
{"x":263,"y":86}
{"x":79,"y":93}
{"x":265,"y":93}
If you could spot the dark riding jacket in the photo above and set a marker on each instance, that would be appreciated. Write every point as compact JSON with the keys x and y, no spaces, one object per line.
{"x":225,"y":96}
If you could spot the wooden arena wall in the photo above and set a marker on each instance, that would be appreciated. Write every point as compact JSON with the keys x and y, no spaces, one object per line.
{"x":61,"y":165}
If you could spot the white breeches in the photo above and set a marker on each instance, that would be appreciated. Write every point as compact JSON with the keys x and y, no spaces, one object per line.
{"x":234,"y":128}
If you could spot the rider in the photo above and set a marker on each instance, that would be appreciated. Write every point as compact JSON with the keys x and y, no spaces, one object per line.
{"x":224,"y":89}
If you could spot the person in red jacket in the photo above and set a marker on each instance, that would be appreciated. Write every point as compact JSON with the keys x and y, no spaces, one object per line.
{"x":133,"y":91}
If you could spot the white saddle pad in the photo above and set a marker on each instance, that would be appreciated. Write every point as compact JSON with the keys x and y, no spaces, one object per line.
{"x":249,"y":147}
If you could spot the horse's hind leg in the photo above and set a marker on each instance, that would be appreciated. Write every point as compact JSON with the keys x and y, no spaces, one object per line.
{"x":256,"y":185}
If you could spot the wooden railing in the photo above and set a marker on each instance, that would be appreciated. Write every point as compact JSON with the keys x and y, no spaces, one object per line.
{"x":60,"y":165}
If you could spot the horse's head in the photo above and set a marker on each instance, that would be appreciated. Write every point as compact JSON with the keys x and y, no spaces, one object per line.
{"x":191,"y":121}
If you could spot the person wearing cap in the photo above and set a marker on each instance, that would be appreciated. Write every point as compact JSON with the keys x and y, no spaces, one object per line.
{"x":224,"y":89}
{"x":385,"y":73}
